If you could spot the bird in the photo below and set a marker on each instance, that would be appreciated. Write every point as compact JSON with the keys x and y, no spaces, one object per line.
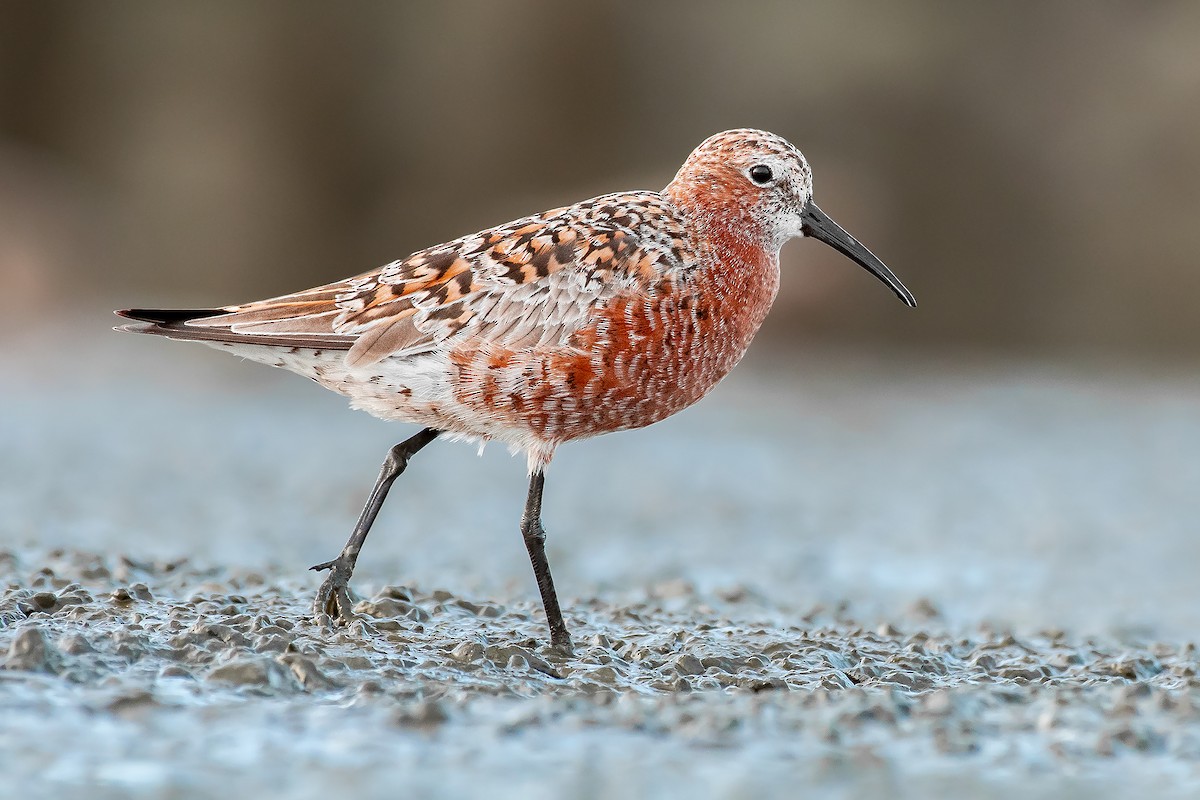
{"x":606,"y":315}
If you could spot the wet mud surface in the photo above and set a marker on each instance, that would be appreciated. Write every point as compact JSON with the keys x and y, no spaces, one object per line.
{"x":145,"y":656}
{"x":1012,"y":610}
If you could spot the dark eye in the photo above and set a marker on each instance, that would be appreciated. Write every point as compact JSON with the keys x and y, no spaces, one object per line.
{"x":761,"y":174}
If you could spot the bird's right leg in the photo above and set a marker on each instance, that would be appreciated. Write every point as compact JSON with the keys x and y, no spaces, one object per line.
{"x":333,"y":598}
{"x":535,"y":544}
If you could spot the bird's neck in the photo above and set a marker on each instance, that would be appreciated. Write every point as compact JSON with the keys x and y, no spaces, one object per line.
{"x":744,"y":280}
{"x":740,"y":266}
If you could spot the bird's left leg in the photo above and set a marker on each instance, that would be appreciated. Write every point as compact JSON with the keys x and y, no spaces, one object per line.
{"x":333,"y":598}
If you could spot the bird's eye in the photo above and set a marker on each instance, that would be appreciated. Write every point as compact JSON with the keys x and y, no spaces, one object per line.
{"x":761,"y":174}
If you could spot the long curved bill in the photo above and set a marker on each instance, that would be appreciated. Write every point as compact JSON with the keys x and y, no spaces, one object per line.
{"x":820,"y":227}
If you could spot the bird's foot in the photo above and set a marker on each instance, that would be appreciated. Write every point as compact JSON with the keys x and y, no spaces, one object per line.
{"x":333,"y":600}
{"x":560,"y":651}
{"x":560,"y":645}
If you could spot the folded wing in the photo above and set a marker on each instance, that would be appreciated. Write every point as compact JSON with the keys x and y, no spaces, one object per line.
{"x":533,"y":282}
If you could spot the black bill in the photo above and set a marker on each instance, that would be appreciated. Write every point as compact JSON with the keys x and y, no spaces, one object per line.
{"x":823,"y":229}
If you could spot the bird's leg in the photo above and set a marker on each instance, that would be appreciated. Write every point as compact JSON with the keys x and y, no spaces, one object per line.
{"x":535,"y":542}
{"x":333,"y":598}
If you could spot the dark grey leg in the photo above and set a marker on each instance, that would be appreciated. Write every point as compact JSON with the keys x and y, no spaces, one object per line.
{"x":333,"y":598}
{"x":535,"y":543}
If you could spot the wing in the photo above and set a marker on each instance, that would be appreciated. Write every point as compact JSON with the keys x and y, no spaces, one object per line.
{"x":531,"y":283}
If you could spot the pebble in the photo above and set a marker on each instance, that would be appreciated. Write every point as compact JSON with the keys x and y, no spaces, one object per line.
{"x":390,"y":608}
{"x":305,"y":671}
{"x":30,"y":651}
{"x":248,"y":671}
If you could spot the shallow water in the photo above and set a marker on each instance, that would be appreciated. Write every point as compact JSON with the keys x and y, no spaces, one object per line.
{"x":864,"y":578}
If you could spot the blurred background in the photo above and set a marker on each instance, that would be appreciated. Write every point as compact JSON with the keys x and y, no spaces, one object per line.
{"x":1029,"y":169}
{"x":1019,"y":448}
{"x":1019,"y":453}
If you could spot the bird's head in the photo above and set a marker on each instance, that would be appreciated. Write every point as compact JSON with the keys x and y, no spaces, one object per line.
{"x":757,"y":187}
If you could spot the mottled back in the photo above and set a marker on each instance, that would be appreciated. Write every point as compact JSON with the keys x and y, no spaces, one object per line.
{"x":529,"y":283}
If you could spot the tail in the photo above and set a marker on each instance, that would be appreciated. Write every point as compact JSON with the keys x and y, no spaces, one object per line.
{"x":177,"y":324}
{"x":165,"y":316}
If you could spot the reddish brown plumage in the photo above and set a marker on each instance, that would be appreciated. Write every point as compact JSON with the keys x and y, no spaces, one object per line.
{"x":610,"y":314}
{"x":638,"y":360}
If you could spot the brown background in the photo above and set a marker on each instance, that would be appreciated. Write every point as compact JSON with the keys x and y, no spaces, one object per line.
{"x":1031,"y":170}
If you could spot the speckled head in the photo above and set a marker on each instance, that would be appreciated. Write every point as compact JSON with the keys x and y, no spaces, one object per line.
{"x":756,"y":187}
{"x":751,"y":181}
